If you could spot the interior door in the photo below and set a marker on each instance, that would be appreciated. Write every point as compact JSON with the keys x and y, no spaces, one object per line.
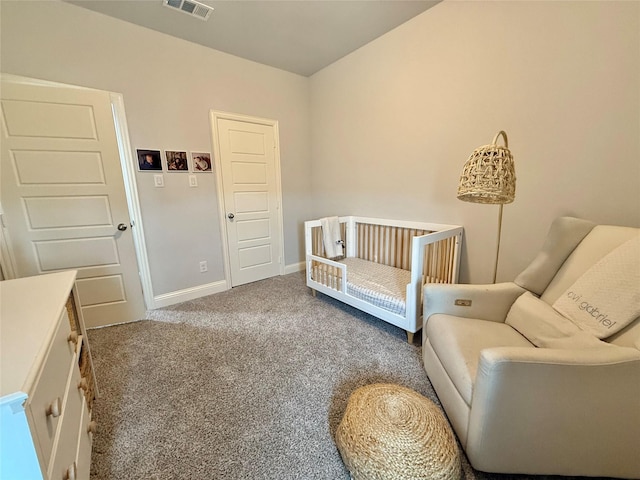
{"x":63,"y":196}
{"x":251,"y":198}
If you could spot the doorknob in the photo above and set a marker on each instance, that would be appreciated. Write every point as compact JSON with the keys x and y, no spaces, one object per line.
{"x":231,"y":216}
{"x":122,"y":227}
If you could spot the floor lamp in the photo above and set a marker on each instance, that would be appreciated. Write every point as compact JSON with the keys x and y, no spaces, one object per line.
{"x":489,"y":176}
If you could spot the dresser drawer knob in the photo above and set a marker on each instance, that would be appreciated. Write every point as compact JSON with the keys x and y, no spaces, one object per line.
{"x":82,"y":384}
{"x":70,"y":474}
{"x":92,"y":427}
{"x":54,"y":409}
{"x":73,"y":337}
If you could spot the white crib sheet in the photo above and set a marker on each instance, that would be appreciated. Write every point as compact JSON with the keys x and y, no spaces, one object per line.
{"x":381,"y":285}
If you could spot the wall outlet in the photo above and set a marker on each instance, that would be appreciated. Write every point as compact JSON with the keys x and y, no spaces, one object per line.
{"x":158,"y":181}
{"x":203,"y":266}
{"x":193,"y":181}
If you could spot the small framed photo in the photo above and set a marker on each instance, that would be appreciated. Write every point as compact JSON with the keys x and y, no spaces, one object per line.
{"x":201,"y":161}
{"x":149,"y":160}
{"x":176,"y":161}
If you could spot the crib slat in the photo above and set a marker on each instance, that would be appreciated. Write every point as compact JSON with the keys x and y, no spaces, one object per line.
{"x":391,"y":245}
{"x":398,"y":258}
{"x":374,"y":243}
{"x":443,"y":260}
{"x":316,"y":242}
{"x":450,"y":259}
{"x":369,"y":247}
{"x":406,"y":248}
{"x":437,"y":267}
{"x":452,"y":256}
{"x":370,"y":242}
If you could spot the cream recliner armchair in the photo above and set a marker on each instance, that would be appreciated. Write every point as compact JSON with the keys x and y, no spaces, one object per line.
{"x":525,"y":389}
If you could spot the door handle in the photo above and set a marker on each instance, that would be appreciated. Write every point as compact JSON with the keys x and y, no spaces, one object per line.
{"x":122,"y":227}
{"x":231,"y":216}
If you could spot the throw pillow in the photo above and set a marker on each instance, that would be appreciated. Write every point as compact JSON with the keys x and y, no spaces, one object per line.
{"x":541,"y":324}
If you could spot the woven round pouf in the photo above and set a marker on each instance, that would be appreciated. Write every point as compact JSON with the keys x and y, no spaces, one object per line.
{"x":391,"y":432}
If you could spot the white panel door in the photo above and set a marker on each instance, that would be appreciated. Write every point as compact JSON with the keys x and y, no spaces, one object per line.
{"x":63,"y":196}
{"x":251,"y":199}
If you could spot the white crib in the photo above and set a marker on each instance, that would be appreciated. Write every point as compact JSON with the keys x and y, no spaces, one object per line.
{"x":387,"y":263}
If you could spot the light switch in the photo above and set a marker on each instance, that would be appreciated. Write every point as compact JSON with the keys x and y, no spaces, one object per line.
{"x":193,"y":181}
{"x":158,"y":181}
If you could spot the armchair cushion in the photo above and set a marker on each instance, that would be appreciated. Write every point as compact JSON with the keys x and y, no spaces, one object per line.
{"x":564,"y":235}
{"x":538,"y":322}
{"x":458,"y":342}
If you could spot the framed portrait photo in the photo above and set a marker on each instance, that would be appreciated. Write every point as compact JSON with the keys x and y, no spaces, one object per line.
{"x":176,"y":161}
{"x":201,"y":161}
{"x":149,"y":160}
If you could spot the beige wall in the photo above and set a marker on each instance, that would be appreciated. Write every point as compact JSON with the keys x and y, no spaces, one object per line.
{"x":394,"y":122}
{"x":169,"y":87}
{"x":382,"y":132}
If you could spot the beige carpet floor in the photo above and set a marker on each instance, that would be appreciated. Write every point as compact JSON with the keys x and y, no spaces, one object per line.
{"x":246,"y":384}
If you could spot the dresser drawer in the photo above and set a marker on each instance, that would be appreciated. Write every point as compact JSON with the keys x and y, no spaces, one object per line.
{"x":66,"y":444}
{"x":46,"y":404}
{"x":85,"y":439}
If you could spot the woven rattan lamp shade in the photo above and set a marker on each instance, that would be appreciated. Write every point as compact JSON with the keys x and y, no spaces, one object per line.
{"x":489,"y":175}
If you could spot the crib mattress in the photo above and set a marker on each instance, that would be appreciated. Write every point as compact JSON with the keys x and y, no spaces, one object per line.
{"x":380,"y":285}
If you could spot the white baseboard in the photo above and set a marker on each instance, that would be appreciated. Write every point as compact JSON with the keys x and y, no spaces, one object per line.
{"x":294,"y":267}
{"x":180,"y":296}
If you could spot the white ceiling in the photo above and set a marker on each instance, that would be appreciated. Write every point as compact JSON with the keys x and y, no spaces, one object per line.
{"x":300,"y":36}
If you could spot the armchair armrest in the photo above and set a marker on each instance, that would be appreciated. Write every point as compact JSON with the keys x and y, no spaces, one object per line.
{"x":496,"y":359}
{"x":485,"y":302}
{"x":533,"y":402}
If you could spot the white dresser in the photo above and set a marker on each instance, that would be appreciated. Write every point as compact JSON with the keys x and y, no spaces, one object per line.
{"x":47,"y":384}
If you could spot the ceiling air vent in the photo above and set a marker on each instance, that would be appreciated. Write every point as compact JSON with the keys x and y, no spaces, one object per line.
{"x":190,"y":7}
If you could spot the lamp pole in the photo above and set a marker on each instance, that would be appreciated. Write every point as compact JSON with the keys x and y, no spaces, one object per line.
{"x":495,"y":266}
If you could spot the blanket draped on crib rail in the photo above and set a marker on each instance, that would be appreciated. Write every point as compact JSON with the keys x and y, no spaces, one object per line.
{"x":331,"y":237}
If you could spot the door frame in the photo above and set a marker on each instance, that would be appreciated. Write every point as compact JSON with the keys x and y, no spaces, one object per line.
{"x":127,"y":164}
{"x":216,"y":115}
{"x":7,"y":265}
